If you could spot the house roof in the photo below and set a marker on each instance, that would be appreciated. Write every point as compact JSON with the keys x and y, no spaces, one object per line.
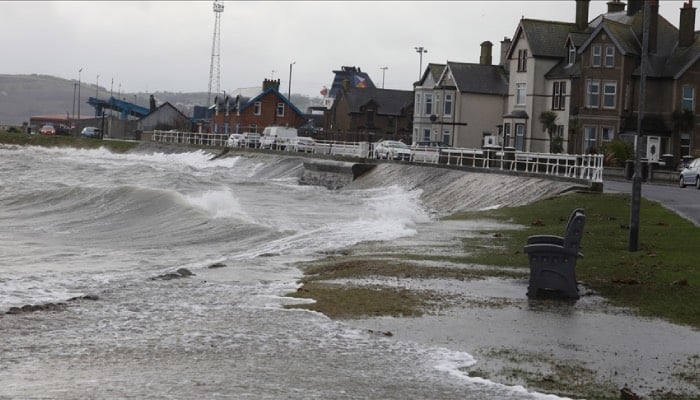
{"x":479,"y":78}
{"x":252,"y":101}
{"x":434,"y":70}
{"x":683,"y":58}
{"x":164,"y":105}
{"x":545,"y":38}
{"x":390,"y":101}
{"x":354,"y":75}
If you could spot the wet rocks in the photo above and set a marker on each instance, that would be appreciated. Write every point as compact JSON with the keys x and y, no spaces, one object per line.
{"x":180,"y":273}
{"x":217,"y":265}
{"x":30,"y":308}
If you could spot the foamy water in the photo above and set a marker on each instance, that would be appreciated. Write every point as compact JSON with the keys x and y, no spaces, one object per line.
{"x":78,"y":222}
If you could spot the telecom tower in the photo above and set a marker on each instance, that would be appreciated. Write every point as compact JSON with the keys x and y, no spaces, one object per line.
{"x":214,"y":68}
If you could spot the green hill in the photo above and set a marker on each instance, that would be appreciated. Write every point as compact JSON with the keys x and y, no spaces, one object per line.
{"x":24,"y":96}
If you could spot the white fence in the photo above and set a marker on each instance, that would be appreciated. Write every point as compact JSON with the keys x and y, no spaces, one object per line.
{"x":587,"y":167}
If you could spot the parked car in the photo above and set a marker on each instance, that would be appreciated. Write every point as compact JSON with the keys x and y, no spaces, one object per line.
{"x":690,"y":175}
{"x":90,"y":132}
{"x":235,"y":140}
{"x":301,"y":143}
{"x":47,"y":130}
{"x":392,"y":149}
{"x":251,"y":139}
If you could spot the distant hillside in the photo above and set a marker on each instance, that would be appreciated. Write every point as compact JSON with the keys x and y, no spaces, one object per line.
{"x":23,"y":96}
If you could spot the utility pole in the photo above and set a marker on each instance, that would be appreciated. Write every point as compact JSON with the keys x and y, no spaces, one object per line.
{"x":383,"y":72}
{"x":637,"y":177}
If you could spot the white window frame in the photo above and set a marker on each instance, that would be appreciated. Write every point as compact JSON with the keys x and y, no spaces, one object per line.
{"x":522,"y":60}
{"x":592,"y":94}
{"x":506,"y":134}
{"x":572,"y":54}
{"x":590,"y":138}
{"x":607,"y":133}
{"x":520,"y":94}
{"x":688,"y":98}
{"x":609,"y":56}
{"x":520,"y":137}
{"x":448,"y":105}
{"x":418,"y":103}
{"x":609,"y":95}
{"x":596,"y":55}
{"x":280,"y":109}
{"x":426,"y":134}
{"x":428,"y":104}
{"x":257,"y":108}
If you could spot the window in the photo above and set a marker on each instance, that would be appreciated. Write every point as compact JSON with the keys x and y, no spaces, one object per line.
{"x":257,"y":108}
{"x":437,"y":103}
{"x":609,"y":56}
{"x":428,"y":104}
{"x":216,"y":128}
{"x":559,"y":96}
{"x":593,"y":93}
{"x":596,"y":51}
{"x":226,"y":128}
{"x":572,"y":54}
{"x":688,"y":101}
{"x":418,"y":103}
{"x":448,"y":105}
{"x":609,"y":94}
{"x":426,"y":134}
{"x":522,"y":60}
{"x":446,"y":134}
{"x":520,"y":92}
{"x":520,"y":137}
{"x":606,"y":133}
{"x":590,"y":139}
{"x":506,"y":135}
{"x":685,"y":144}
{"x":280,"y":109}
{"x":559,"y":131}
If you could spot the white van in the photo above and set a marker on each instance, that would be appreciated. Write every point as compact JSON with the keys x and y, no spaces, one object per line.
{"x":277,"y":136}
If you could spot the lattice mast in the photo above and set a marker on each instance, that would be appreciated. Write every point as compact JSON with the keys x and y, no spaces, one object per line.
{"x":214,"y":67}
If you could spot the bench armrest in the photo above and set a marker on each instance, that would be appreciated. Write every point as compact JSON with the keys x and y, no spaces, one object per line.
{"x":548,"y":248}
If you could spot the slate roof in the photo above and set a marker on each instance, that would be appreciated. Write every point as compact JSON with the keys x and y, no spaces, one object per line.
{"x":479,"y":78}
{"x":683,"y":58}
{"x":390,"y":101}
{"x":354,"y":75}
{"x":545,"y":38}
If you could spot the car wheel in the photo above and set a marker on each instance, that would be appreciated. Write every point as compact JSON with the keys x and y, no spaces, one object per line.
{"x":681,"y":182}
{"x":697,"y":182}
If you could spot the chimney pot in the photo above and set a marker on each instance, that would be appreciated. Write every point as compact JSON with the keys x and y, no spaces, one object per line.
{"x":486,"y":58}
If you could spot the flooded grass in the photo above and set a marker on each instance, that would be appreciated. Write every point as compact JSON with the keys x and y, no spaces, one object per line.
{"x":23,"y":139}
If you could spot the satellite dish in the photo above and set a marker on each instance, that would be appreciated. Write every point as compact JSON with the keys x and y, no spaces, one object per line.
{"x":433,"y":118}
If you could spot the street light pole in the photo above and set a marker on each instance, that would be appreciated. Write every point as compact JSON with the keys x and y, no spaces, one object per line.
{"x":97,"y":85}
{"x":637,"y":176}
{"x":79,"y":71}
{"x":289,"y":91}
{"x":383,"y":72}
{"x":420,"y":50}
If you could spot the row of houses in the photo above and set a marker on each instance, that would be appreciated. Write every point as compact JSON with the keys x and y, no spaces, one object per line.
{"x":558,"y":87}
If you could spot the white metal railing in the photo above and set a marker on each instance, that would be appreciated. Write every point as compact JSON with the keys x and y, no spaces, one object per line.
{"x":587,"y":167}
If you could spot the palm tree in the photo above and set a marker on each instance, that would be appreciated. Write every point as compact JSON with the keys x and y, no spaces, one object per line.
{"x":548,"y":119}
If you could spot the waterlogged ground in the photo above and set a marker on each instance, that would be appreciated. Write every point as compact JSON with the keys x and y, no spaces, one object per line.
{"x":582,"y":349}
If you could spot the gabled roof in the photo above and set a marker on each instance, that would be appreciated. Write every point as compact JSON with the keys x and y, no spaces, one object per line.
{"x":252,"y":101}
{"x":354,"y":76}
{"x":434,"y":70}
{"x":160,"y":107}
{"x":478,"y":78}
{"x":683,"y":58}
{"x":545,"y":38}
{"x":389,"y":101}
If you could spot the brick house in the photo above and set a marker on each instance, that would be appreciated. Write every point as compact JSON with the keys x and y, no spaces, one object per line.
{"x":369,"y":114}
{"x":239,"y":113}
{"x":588,"y":74}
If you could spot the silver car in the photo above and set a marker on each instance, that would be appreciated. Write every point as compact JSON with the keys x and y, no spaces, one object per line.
{"x":392,"y":150}
{"x":690,"y":175}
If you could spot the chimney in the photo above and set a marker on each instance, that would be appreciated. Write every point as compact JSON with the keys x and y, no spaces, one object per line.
{"x":686,"y":27}
{"x":633,"y":6}
{"x":615,"y":6}
{"x":505,"y":45}
{"x":271,"y":83}
{"x":653,"y":26}
{"x":582,"y":7}
{"x":485,"y":58}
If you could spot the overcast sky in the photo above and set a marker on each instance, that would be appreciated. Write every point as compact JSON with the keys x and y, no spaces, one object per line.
{"x":167,"y":46}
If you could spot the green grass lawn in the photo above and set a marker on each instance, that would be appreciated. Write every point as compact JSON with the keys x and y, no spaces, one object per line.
{"x":662,"y":279}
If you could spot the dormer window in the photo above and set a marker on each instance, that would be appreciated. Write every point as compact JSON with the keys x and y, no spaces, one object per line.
{"x":572,"y":54}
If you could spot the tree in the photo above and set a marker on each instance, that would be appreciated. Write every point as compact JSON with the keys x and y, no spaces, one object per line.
{"x":548,"y":119}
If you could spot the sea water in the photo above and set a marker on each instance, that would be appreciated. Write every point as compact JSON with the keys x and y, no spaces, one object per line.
{"x":90,"y":222}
